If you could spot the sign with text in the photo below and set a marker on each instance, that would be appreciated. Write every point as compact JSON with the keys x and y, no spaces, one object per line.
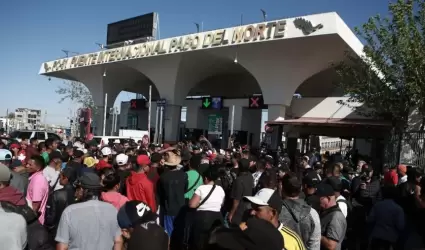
{"x":256,"y":102}
{"x":161,"y":103}
{"x":215,"y":124}
{"x":132,"y":28}
{"x":137,"y":104}
{"x":212,"y":103}
{"x":266,"y":31}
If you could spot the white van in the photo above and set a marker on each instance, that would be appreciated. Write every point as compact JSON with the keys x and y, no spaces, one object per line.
{"x":105,"y":140}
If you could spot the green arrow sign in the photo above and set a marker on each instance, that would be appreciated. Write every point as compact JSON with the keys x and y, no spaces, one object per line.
{"x":206,"y":103}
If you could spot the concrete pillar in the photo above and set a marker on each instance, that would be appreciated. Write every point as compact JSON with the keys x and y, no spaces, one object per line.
{"x":193,"y":115}
{"x":98,"y":117}
{"x":238,"y":117}
{"x":171,"y":123}
{"x":276,"y":112}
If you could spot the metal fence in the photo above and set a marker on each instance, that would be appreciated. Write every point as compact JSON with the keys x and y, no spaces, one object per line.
{"x":407,"y":148}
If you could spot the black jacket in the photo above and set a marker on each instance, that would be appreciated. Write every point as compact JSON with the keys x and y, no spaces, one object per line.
{"x":56,"y":204}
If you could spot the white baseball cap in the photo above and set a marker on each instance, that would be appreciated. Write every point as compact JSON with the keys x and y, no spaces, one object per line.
{"x":106,"y":151}
{"x":266,"y":197}
{"x":121,"y":159}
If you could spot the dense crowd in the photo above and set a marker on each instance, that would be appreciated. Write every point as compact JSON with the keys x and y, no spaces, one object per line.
{"x":75,"y":194}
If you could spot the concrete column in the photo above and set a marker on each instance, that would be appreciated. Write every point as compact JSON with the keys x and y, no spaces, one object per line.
{"x":238,"y":117}
{"x":276,"y":112}
{"x":193,"y":115}
{"x":98,"y":121}
{"x":171,"y":123}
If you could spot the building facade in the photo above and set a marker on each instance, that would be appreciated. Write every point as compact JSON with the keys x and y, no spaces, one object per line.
{"x":26,"y":118}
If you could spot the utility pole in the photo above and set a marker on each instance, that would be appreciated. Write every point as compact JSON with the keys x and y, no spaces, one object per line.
{"x":45,"y":120}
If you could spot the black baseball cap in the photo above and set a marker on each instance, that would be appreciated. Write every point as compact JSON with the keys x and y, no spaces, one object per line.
{"x":324,"y":189}
{"x":133,"y":213}
{"x":335,"y":183}
{"x":89,"y":181}
{"x":311,"y":180}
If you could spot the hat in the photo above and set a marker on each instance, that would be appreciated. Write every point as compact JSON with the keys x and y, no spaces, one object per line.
{"x":266,"y":197}
{"x":106,"y":151}
{"x":78,"y":153}
{"x":172,"y":159}
{"x":335,"y":183}
{"x":311,"y":180}
{"x":70,"y":173}
{"x":121,"y":159}
{"x":15,"y":145}
{"x":4,"y":173}
{"x":89,"y":181}
{"x":134,"y":212}
{"x":195,"y":147}
{"x":90,"y":162}
{"x":255,"y":234}
{"x":306,"y":158}
{"x":5,"y":155}
{"x":117,"y":141}
{"x":143,"y":160}
{"x":324,"y":189}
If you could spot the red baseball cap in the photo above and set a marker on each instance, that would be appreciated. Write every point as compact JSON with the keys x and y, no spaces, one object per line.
{"x":143,"y":160}
{"x":15,"y":145}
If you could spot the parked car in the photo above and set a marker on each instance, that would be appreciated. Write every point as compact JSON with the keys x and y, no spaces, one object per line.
{"x":28,"y":134}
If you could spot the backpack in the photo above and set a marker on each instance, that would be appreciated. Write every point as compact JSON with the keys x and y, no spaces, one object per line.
{"x":349,"y":206}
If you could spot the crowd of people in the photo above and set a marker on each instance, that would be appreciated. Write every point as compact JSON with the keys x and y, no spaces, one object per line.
{"x":75,"y":194}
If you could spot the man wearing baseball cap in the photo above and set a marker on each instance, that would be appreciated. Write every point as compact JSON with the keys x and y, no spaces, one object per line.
{"x":266,"y":204}
{"x":139,"y":187}
{"x":104,"y":161}
{"x":138,"y":225}
{"x":91,"y":223}
{"x":332,"y":220}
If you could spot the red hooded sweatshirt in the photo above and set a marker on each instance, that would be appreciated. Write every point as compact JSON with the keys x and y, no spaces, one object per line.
{"x":12,"y":195}
{"x":140,"y":188}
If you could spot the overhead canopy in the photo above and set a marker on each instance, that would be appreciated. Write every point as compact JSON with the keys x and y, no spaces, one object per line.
{"x":332,"y":122}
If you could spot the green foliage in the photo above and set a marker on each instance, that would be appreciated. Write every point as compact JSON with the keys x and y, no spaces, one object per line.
{"x":11,"y":115}
{"x":390,"y":77}
{"x":77,"y":93}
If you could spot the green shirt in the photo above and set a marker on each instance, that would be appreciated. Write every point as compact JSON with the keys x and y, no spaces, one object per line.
{"x":192,"y":177}
{"x":45,"y":156}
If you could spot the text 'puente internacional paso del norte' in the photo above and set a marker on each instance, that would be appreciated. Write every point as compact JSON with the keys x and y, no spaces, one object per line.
{"x":274,"y":58}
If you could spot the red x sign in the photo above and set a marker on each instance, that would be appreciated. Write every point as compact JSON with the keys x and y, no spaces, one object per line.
{"x":133,"y":104}
{"x":254,"y":102}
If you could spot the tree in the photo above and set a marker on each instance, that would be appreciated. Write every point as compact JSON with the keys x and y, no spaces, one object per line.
{"x":11,"y":115}
{"x":77,"y":93}
{"x":390,"y":77}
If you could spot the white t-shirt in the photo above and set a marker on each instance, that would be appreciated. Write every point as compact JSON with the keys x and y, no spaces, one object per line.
{"x":342,"y":205}
{"x":51,"y":176}
{"x":215,"y":200}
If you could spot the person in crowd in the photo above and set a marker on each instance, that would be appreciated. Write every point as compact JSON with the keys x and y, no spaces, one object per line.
{"x":391,"y":176}
{"x":52,"y":170}
{"x":267,"y":205}
{"x":51,"y":146}
{"x":194,"y":179}
{"x":60,"y":199}
{"x":386,"y":220}
{"x":37,"y":235}
{"x":139,"y":187}
{"x":104,"y":162}
{"x":89,"y":164}
{"x":32,"y":148}
{"x":38,"y":187}
{"x":19,"y":173}
{"x":111,"y":185}
{"x":260,"y":168}
{"x":333,"y":222}
{"x":309,"y":188}
{"x":138,"y":227}
{"x":91,"y":223}
{"x":207,"y":200}
{"x":77,"y":162}
{"x":171,"y":190}
{"x":297,"y":215}
{"x":9,"y":193}
{"x":336,"y":185}
{"x":242,"y":186}
{"x":255,"y":234}
{"x":13,"y":228}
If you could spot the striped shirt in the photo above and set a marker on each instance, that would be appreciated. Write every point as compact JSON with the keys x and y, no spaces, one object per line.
{"x":291,"y":240}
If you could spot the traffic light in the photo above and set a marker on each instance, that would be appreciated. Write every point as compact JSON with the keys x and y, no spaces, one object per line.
{"x":137,"y":104}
